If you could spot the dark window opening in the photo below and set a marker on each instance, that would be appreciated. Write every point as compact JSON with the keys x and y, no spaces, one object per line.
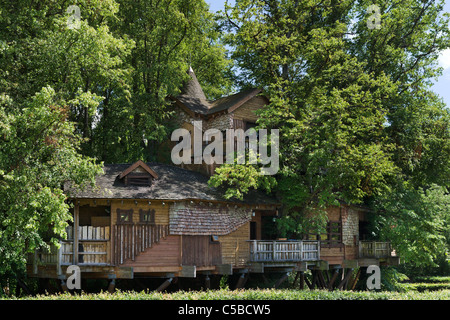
{"x":253,"y":230}
{"x":331,"y":238}
{"x":124,"y":216}
{"x":147,"y":216}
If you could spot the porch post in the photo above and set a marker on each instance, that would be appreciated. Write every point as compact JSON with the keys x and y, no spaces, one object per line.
{"x":76,"y":223}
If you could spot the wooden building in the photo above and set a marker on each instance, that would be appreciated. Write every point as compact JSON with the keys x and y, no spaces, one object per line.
{"x":161,"y":220}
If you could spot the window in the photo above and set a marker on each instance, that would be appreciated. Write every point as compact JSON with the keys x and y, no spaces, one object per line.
{"x":332,"y":237}
{"x":147,"y":216}
{"x":138,"y":180}
{"x":124,"y":216}
{"x":334,"y":233}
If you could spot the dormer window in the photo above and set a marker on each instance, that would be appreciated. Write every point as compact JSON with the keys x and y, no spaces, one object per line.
{"x":138,"y":174}
{"x":138,"y":180}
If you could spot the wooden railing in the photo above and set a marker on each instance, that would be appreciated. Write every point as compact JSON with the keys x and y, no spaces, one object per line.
{"x":374,"y":249}
{"x":284,"y":251}
{"x":93,"y":249}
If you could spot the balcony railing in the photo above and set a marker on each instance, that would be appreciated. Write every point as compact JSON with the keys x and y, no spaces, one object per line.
{"x":284,"y":251}
{"x":374,"y":249}
{"x":93,"y":249}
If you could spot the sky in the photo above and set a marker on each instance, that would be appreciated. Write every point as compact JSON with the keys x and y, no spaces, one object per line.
{"x":441,"y":86}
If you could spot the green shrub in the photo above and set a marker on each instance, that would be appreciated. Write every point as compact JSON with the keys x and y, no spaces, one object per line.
{"x":252,"y":294}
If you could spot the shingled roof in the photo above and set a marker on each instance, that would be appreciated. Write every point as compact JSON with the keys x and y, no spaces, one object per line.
{"x":173,"y":183}
{"x":194,"y":100}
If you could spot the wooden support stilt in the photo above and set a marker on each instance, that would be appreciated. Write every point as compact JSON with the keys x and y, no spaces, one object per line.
{"x":64,"y":286}
{"x":112,"y":286}
{"x":164,"y":285}
{"x":333,"y":279}
{"x":302,"y":280}
{"x":327,"y":277}
{"x":309,"y":284}
{"x":242,"y":280}
{"x":296,"y":278}
{"x":345,"y":280}
{"x":321,"y":279}
{"x":281,"y":280}
{"x":207,"y":282}
{"x":314,"y":279}
{"x":355,"y":281}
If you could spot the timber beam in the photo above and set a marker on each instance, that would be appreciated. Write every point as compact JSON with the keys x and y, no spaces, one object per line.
{"x":352,"y":264}
{"x":226,"y":269}
{"x":188,"y":272}
{"x":320,"y":265}
{"x":256,"y":267}
{"x":365,"y":262}
{"x":390,"y":261}
{"x":301,"y":266}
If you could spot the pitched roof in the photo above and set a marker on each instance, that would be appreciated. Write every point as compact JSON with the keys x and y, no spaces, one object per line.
{"x":173,"y":183}
{"x":192,"y":95}
{"x":193,"y":99}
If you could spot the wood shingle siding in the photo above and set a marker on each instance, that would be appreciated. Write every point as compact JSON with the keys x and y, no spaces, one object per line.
{"x":206,"y":220}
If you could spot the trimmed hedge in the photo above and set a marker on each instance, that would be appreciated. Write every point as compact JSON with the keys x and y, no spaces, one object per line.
{"x":252,"y":294}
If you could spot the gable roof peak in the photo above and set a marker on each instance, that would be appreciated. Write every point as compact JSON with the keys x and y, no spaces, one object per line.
{"x":135,"y":165}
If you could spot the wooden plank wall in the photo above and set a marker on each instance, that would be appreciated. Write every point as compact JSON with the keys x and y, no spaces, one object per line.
{"x":200,"y":251}
{"x":166,"y":254}
{"x":133,"y":239}
{"x":247,"y":110}
{"x":161,"y":211}
{"x":235,"y":247}
{"x":161,"y":218}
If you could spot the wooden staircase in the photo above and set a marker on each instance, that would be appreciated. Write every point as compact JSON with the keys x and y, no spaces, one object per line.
{"x":130,"y":240}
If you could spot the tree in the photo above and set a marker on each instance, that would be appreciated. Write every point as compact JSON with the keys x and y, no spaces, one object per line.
{"x":169,"y":36}
{"x":39,"y":152}
{"x":415,"y":221}
{"x":83,"y":64}
{"x":353,"y":102}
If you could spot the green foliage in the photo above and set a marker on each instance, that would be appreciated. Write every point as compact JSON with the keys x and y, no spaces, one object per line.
{"x":169,"y":36}
{"x":239,"y":179}
{"x":125,"y":58}
{"x":256,"y":294}
{"x":419,"y":216}
{"x":354,"y":107}
{"x":39,"y":152}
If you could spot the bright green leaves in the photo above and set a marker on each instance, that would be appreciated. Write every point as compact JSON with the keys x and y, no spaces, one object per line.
{"x":416,"y":222}
{"x":39,"y":152}
{"x":353,"y":105}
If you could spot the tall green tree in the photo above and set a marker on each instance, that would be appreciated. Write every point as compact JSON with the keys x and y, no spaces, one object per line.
{"x":350,"y":93}
{"x":169,"y":36}
{"x":74,"y":52}
{"x":39,"y":152}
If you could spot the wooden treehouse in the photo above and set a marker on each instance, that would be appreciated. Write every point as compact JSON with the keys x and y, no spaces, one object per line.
{"x":160,"y":220}
{"x":157,"y":220}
